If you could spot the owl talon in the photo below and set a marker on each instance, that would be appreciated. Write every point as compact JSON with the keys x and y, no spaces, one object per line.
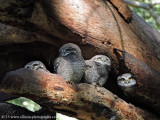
{"x":94,"y":84}
{"x":70,"y":82}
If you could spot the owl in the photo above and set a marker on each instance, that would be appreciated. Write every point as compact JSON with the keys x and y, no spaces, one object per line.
{"x":70,"y":63}
{"x":97,"y":69}
{"x":36,"y":65}
{"x":127,"y":83}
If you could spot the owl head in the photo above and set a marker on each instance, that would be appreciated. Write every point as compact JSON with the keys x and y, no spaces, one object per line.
{"x":69,"y":48}
{"x":102,"y":59}
{"x":35,"y":65}
{"x":127,"y":82}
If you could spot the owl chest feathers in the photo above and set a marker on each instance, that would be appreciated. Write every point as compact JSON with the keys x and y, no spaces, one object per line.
{"x":129,"y":89}
{"x":95,"y":73}
{"x":70,"y":67}
{"x":127,"y":83}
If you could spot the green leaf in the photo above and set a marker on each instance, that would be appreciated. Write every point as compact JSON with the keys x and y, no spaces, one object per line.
{"x":26,"y":103}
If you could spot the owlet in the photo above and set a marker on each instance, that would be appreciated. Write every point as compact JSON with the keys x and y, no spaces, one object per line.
{"x":97,"y":69}
{"x":127,"y":83}
{"x":36,"y":65}
{"x":70,"y":63}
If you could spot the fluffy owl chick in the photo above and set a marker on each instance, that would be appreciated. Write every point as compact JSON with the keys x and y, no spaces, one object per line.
{"x":127,"y":83}
{"x":97,"y":69}
{"x":36,"y":65}
{"x":70,"y":63}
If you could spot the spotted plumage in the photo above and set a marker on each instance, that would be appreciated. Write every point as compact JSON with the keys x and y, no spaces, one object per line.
{"x":127,"y":83}
{"x":70,"y":63}
{"x":36,"y":65}
{"x":97,"y":69}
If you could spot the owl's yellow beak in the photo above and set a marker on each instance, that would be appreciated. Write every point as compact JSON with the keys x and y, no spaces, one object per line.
{"x":104,"y":60}
{"x":98,"y":58}
{"x":63,"y":53}
{"x":31,"y":67}
{"x":127,"y":81}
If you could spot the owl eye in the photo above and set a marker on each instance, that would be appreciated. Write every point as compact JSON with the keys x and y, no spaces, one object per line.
{"x":35,"y":64}
{"x":27,"y":66}
{"x":104,"y":60}
{"x":130,"y":78}
{"x":99,"y":58}
{"x":68,"y":49}
{"x":122,"y":79}
{"x":62,"y":52}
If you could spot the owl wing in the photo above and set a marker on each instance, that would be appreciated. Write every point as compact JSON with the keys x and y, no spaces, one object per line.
{"x":56,"y":64}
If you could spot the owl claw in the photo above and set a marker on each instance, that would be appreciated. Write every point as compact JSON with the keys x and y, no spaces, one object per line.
{"x":70,"y":82}
{"x":95,"y":85}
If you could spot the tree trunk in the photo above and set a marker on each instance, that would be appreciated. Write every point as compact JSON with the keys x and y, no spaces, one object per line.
{"x":98,"y":27}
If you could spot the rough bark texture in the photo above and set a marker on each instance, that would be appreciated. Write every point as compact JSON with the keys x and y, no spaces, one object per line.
{"x":97,"y":26}
{"x":123,"y":9}
{"x":148,"y":86}
{"x":15,"y":56}
{"x":83,"y":101}
{"x":10,"y":34}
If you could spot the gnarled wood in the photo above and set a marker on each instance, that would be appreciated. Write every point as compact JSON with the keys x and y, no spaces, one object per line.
{"x":146,"y":84}
{"x":123,"y":8}
{"x":10,"y":34}
{"x":83,"y":101}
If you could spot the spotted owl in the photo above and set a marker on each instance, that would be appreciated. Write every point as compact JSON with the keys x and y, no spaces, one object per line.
{"x":127,"y":83}
{"x":70,"y":63}
{"x":97,"y":69}
{"x":36,"y":65}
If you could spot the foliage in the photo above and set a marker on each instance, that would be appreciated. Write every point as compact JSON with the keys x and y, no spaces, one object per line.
{"x":26,"y":103}
{"x":146,"y":15}
{"x":32,"y":106}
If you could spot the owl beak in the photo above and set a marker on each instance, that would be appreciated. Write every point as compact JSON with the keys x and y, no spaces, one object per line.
{"x":63,"y":53}
{"x":127,"y":81}
{"x":31,"y":67}
{"x":103,"y":60}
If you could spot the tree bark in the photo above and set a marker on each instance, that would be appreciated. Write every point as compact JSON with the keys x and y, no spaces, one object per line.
{"x":98,"y":27}
{"x":52,"y":91}
{"x":10,"y":34}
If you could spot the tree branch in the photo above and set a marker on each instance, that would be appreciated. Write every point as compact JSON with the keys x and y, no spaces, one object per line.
{"x":137,"y":4}
{"x":52,"y":91}
{"x":123,"y":9}
{"x":145,"y":88}
{"x":10,"y":35}
{"x":148,"y":6}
